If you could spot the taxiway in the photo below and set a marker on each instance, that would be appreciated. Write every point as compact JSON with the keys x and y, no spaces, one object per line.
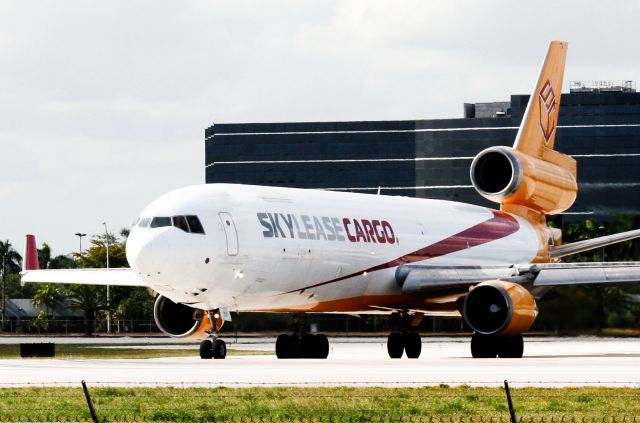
{"x":548,"y":362}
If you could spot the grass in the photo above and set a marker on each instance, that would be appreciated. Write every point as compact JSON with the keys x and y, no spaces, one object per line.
{"x":115,"y":351}
{"x":316,"y":404}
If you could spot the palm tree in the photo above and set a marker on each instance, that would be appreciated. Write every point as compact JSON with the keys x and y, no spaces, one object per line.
{"x":11,"y":260}
{"x":11,"y":263}
{"x":47,"y":295}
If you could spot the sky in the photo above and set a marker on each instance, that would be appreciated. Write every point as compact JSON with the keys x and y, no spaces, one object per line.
{"x":103,"y":104}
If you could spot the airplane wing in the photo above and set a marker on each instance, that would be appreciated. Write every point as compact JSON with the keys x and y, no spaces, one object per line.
{"x":31,"y":272}
{"x":427,"y":281}
{"x":605,"y":273}
{"x":115,"y":277}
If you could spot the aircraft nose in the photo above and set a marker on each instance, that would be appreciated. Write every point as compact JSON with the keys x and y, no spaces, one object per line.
{"x":143,"y":251}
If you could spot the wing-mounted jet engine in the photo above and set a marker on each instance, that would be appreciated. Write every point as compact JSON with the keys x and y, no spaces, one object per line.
{"x":181,"y":321}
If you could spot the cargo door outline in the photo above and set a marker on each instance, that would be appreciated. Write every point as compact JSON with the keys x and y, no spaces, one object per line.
{"x":230,"y":233}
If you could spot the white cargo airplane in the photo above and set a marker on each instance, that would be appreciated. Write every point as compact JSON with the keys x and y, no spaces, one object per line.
{"x":211,"y":249}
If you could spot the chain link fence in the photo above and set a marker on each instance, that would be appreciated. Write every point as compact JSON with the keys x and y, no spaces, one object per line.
{"x":436,"y":403}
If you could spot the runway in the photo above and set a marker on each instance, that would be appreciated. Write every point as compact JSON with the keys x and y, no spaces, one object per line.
{"x":548,"y":362}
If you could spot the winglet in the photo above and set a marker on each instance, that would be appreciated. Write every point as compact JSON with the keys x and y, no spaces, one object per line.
{"x":30,"y":254}
{"x":537,"y":132}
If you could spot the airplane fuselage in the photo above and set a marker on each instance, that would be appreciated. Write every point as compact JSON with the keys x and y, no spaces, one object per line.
{"x":286,"y":249}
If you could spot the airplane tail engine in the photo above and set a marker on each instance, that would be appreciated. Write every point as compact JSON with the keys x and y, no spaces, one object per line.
{"x":499,"y":308}
{"x":179,"y":320}
{"x":513,"y":178}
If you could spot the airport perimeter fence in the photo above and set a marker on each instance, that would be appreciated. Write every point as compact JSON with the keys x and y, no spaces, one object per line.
{"x":241,"y":323}
{"x":485,"y":402}
{"x":78,"y":326}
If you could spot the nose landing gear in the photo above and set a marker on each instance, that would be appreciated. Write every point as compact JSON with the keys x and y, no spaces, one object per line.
{"x":214,"y":347}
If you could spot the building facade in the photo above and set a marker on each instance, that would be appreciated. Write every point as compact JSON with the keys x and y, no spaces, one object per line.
{"x":599,"y":126}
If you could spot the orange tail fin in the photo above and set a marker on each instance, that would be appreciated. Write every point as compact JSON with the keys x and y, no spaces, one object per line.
{"x":538,"y":129}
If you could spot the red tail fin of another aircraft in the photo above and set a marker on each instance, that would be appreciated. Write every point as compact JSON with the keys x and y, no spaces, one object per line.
{"x":30,"y":254}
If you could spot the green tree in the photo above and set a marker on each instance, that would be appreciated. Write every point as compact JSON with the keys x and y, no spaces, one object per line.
{"x":10,"y":265}
{"x":47,"y":295}
{"x":10,"y":257}
{"x":125,"y":302}
{"x":89,"y":299}
{"x":96,"y":255}
{"x":593,"y":306}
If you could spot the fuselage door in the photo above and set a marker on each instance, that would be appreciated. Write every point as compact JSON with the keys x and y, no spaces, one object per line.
{"x":230,"y":232}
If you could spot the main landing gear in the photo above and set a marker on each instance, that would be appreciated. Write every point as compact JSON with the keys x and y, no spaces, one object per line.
{"x":305,"y":346}
{"x":213,"y":347}
{"x":483,"y":346}
{"x":300,"y":344}
{"x":403,"y":340}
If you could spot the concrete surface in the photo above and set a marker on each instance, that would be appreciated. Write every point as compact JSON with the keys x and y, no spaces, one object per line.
{"x":356,"y":361}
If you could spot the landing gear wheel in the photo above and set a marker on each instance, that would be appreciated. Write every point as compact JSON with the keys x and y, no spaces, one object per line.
{"x":322,"y":343}
{"x":510,"y":347}
{"x":295,"y":347}
{"x":206,"y":349}
{"x":395,"y":345}
{"x":283,"y":346}
{"x":309,"y":346}
{"x":483,"y":346}
{"x":219,"y":349}
{"x":412,"y":344}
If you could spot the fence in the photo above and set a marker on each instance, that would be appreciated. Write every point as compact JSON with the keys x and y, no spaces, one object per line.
{"x":243,"y":322}
{"x":336,"y":404}
{"x":75,"y":326}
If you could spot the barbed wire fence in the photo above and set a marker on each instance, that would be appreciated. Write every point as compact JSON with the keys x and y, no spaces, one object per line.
{"x":472,"y":402}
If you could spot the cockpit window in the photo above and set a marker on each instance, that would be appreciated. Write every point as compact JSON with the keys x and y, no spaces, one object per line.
{"x":189,"y":224}
{"x":180,"y":222}
{"x":194,"y":224}
{"x":158,"y":222}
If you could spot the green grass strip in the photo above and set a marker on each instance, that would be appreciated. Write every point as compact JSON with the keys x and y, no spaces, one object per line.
{"x":82,"y":351}
{"x":321,"y":404}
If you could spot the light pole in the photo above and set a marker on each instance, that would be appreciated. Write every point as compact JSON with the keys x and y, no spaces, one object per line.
{"x":106,"y":238}
{"x":80,"y":235}
{"x":4,"y":271}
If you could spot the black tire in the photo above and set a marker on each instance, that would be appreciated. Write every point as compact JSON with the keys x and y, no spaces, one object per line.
{"x":511,"y":347}
{"x":323,"y":346}
{"x":219,"y":349}
{"x":206,"y":349}
{"x":309,"y":346}
{"x":295,"y":347}
{"x":395,"y":345}
{"x":412,"y":344}
{"x":283,"y":346}
{"x":483,"y":346}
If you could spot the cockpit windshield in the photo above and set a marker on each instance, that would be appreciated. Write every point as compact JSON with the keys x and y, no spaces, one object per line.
{"x":190,"y":223}
{"x":158,"y":222}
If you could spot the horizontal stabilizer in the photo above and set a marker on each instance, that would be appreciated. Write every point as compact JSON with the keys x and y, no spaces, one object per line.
{"x":591,"y":244}
{"x":606,"y":273}
{"x":117,"y":277}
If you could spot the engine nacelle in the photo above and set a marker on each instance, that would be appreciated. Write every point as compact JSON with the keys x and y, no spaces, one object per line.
{"x":179,"y":320}
{"x":499,"y":308}
{"x":508,"y":176}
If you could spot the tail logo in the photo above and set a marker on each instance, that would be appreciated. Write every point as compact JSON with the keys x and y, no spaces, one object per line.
{"x":547,"y":123}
